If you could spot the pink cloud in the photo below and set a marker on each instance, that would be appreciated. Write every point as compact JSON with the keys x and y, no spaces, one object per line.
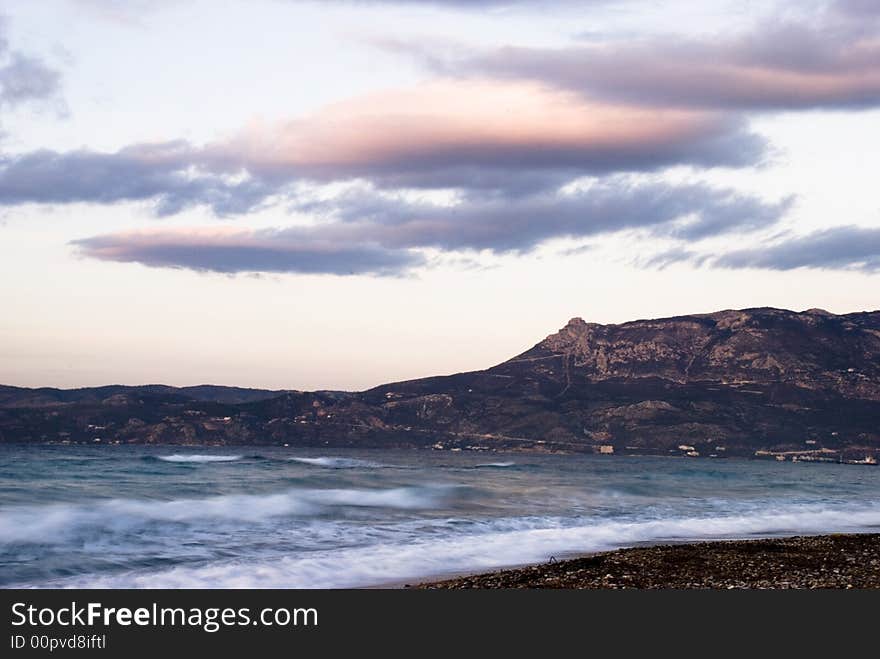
{"x":448,"y":124}
{"x":834,"y":63}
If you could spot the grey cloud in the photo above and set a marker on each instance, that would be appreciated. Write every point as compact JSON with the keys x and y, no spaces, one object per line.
{"x":726,"y":142}
{"x":670,"y":257}
{"x":365,"y":233}
{"x":275,"y":251}
{"x":839,"y":247}
{"x":577,"y":251}
{"x":516,"y":225}
{"x":858,"y":8}
{"x":166,"y":174}
{"x":177,"y":175}
{"x":26,"y":79}
{"x":843,"y":247}
{"x":779,"y":66}
{"x":731,"y":211}
{"x":23,"y":77}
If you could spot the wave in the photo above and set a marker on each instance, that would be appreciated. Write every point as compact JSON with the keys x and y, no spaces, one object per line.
{"x":495,"y":465}
{"x":60,"y":523}
{"x":506,"y":545}
{"x":339,"y":463}
{"x":199,"y":458}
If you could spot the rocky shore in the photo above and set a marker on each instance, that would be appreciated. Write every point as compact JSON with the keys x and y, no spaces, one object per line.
{"x":829,"y":561}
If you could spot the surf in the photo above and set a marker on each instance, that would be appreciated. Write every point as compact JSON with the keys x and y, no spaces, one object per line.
{"x":59,"y":523}
{"x":177,"y":457}
{"x":339,"y":463}
{"x":389,"y":563}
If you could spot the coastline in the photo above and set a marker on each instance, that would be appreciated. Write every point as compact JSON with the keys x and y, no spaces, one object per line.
{"x":838,"y":561}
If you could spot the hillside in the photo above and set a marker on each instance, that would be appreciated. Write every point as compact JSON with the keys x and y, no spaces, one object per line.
{"x":727,"y":383}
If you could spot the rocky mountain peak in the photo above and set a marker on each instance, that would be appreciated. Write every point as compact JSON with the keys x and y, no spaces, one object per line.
{"x":574,"y":335}
{"x":759,"y":382}
{"x":812,"y":350}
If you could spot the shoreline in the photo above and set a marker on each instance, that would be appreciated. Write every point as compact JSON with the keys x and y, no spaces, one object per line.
{"x":838,"y":561}
{"x":760,"y":455}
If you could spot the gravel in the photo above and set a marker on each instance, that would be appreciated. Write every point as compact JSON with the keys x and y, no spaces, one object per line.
{"x":828,"y":561}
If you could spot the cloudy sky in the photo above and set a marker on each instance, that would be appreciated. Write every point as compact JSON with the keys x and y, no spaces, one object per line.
{"x":335,"y":194}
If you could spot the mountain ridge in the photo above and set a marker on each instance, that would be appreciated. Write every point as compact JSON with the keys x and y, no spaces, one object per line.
{"x":760,"y":381}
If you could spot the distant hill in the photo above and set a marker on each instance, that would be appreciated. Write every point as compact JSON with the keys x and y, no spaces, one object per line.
{"x":771,"y":382}
{"x":47,"y":396}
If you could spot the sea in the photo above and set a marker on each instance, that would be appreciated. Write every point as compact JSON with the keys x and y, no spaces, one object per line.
{"x":255,"y":517}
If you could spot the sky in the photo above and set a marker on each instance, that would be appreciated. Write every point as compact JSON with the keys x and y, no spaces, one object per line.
{"x":339,"y":194}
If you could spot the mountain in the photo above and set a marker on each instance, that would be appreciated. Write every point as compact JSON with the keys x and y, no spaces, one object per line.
{"x":766,"y":382}
{"x":48,"y":396}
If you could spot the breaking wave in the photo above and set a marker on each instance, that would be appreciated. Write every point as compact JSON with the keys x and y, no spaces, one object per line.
{"x":199,"y":458}
{"x":389,"y":562}
{"x":339,"y":463}
{"x":59,"y":523}
{"x":118,"y":517}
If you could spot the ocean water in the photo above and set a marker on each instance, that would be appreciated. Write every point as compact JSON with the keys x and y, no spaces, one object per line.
{"x":123,"y":516}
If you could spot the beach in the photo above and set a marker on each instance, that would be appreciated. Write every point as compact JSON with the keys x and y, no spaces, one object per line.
{"x":838,"y":561}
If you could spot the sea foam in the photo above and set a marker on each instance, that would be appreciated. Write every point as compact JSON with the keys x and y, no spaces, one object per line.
{"x":199,"y":458}
{"x":339,"y":463}
{"x":57,"y":523}
{"x":386,"y":563}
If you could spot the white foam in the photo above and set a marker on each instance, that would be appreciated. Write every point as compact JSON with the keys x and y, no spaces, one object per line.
{"x":199,"y":458}
{"x":407,"y":498}
{"x":389,"y":562}
{"x":497,"y":465}
{"x":338,"y":463}
{"x":56,"y":523}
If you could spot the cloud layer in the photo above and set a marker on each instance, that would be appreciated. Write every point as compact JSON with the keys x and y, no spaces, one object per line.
{"x":442,"y":133}
{"x":527,"y":145}
{"x":844,"y":247}
{"x":499,"y":224}
{"x":168,"y":174}
{"x":244,"y":250}
{"x":514,"y":138}
{"x":371,"y":232}
{"x":840,"y":247}
{"x":778,"y":66}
